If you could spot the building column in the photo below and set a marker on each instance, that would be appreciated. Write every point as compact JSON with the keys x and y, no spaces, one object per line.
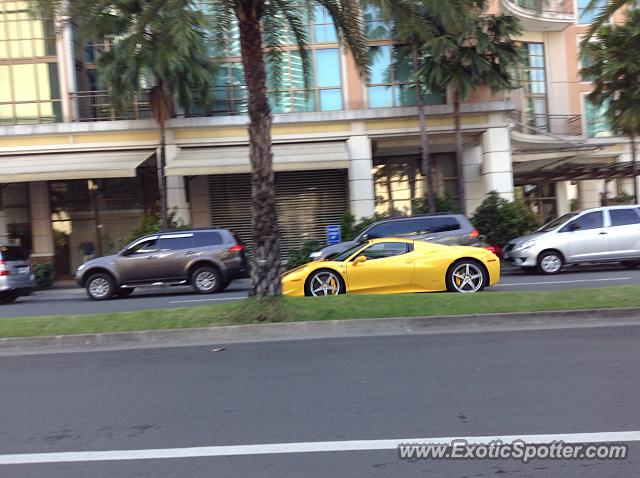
{"x":41,"y":227}
{"x":176,"y":191}
{"x":563,"y":202}
{"x":199,"y":196}
{"x":474,"y":186}
{"x":362,"y":200}
{"x":497,"y":168}
{"x":590,"y":193}
{"x":4,"y":234}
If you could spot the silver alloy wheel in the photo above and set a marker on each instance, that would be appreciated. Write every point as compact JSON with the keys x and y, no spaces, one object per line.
{"x":206,"y":281}
{"x":324,"y":283}
{"x":551,"y":263}
{"x":99,"y":287}
{"x":467,"y":278}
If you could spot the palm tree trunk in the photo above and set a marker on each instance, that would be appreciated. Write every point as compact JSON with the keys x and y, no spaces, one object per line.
{"x":459,"y":152}
{"x":634,"y":168}
{"x":425,"y":164}
{"x":162,"y":179}
{"x":266,"y":267}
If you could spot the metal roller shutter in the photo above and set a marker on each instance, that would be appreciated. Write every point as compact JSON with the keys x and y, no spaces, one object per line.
{"x":307,"y":201}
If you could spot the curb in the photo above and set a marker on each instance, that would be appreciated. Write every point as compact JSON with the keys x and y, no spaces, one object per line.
{"x":321,"y":330}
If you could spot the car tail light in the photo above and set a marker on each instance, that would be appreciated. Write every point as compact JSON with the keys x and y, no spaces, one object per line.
{"x":497,"y":250}
{"x":236,"y":248}
{"x":474,"y":233}
{"x":4,"y":270}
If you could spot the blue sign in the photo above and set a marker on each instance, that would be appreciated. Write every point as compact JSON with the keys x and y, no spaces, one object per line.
{"x":334,"y":235}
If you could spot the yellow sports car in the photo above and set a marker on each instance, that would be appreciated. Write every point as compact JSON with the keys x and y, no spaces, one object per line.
{"x":391,"y":266}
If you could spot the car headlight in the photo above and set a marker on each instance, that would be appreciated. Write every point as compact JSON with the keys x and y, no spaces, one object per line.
{"x":524,"y":245}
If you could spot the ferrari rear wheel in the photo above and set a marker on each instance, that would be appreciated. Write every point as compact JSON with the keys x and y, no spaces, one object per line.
{"x":324,"y":282}
{"x":466,"y":276}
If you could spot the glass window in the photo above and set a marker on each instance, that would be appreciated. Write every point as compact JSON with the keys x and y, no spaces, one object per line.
{"x":383,"y":250}
{"x":587,"y":16}
{"x":324,"y":30}
{"x":328,"y":67}
{"x":376,"y":26}
{"x":144,"y":247}
{"x":623,"y":217}
{"x":175,"y":243}
{"x":442,"y":224}
{"x":208,"y":238}
{"x":591,"y":220}
{"x":11,"y":253}
{"x":596,"y":117}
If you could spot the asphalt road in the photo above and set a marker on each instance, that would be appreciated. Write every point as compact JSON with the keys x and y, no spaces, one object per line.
{"x":75,"y":301}
{"x":453,"y":385}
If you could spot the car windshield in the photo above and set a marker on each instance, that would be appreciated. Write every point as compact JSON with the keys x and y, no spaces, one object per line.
{"x":550,"y":226}
{"x":348,"y":253}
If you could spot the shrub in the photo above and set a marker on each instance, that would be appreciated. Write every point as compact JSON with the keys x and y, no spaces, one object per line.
{"x":299,"y":257}
{"x":499,"y":220}
{"x":44,"y":273}
{"x":151,"y":223}
{"x":444,"y":204}
{"x":350,"y":227}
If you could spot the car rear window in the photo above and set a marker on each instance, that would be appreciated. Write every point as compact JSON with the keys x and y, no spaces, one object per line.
{"x":12,"y":253}
{"x":207,"y":238}
{"x":624,"y":217}
{"x":405,"y":227}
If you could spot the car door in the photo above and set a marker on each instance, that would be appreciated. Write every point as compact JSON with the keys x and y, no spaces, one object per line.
{"x":624,"y":233}
{"x":389,"y":266}
{"x":586,"y":238}
{"x":137,"y":263}
{"x":174,"y":252}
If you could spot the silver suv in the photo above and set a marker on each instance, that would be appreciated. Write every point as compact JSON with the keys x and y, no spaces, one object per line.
{"x":442,"y":228}
{"x":16,"y":276}
{"x":208,"y":260}
{"x":603,"y":234}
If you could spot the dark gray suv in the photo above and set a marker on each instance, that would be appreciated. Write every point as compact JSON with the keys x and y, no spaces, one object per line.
{"x":208,"y":260}
{"x":442,"y":228}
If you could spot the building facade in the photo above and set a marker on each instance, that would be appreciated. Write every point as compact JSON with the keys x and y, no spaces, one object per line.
{"x":73,"y":171}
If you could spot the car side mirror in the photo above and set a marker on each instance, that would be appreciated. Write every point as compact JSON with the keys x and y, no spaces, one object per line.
{"x":574,"y":226}
{"x":125,"y":252}
{"x":364,"y":238}
{"x":359,"y":260}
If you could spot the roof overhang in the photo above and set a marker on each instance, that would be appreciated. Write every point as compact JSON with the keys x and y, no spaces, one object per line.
{"x":71,"y":165}
{"x":578,"y":168}
{"x":196,"y":161}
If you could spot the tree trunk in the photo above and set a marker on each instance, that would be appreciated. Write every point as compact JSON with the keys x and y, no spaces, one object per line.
{"x":426,"y":168}
{"x":162,"y":179}
{"x":459,"y":153}
{"x":266,"y":266}
{"x":634,"y":168}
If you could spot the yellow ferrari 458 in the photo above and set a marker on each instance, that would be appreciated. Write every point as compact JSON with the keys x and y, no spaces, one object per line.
{"x":393,"y":266}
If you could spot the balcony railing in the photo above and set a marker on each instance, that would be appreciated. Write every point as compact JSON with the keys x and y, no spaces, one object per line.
{"x":537,"y":124}
{"x":545,"y":7}
{"x":96,"y":106}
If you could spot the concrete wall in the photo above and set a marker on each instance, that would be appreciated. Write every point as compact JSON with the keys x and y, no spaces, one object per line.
{"x":362,"y":200}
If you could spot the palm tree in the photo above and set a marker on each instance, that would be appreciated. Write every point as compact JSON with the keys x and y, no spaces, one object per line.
{"x":605,"y":9}
{"x":615,"y":68}
{"x":159,"y":44}
{"x":482,"y":53}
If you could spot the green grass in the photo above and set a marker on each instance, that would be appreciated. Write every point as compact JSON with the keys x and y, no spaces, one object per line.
{"x":329,"y":308}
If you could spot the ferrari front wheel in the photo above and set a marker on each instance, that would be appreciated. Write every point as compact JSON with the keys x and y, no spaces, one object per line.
{"x":466,"y":276}
{"x":324,"y":282}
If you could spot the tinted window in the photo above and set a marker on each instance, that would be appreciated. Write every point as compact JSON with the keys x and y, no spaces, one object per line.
{"x":623,"y":217}
{"x":385,"y":249}
{"x":144,"y":247}
{"x":208,"y":238}
{"x":441,"y":224}
{"x":175,"y":243}
{"x":12,"y":253}
{"x":550,"y":226}
{"x":591,"y":220}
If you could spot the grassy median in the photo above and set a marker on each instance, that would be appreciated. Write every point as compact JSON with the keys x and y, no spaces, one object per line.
{"x":326,"y":308}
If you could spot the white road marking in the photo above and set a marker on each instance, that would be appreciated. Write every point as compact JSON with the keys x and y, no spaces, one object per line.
{"x":204,"y":300}
{"x":305,"y":447}
{"x":564,"y":281}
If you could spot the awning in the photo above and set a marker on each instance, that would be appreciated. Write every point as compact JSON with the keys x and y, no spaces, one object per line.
{"x":196,"y":161}
{"x":71,"y":165}
{"x":550,"y":170}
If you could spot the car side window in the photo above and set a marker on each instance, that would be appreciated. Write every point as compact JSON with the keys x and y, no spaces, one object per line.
{"x":144,"y":247}
{"x":381,"y":230}
{"x":624,"y":217}
{"x":175,"y":243}
{"x":591,"y":220}
{"x":385,"y":249}
{"x":208,"y":238}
